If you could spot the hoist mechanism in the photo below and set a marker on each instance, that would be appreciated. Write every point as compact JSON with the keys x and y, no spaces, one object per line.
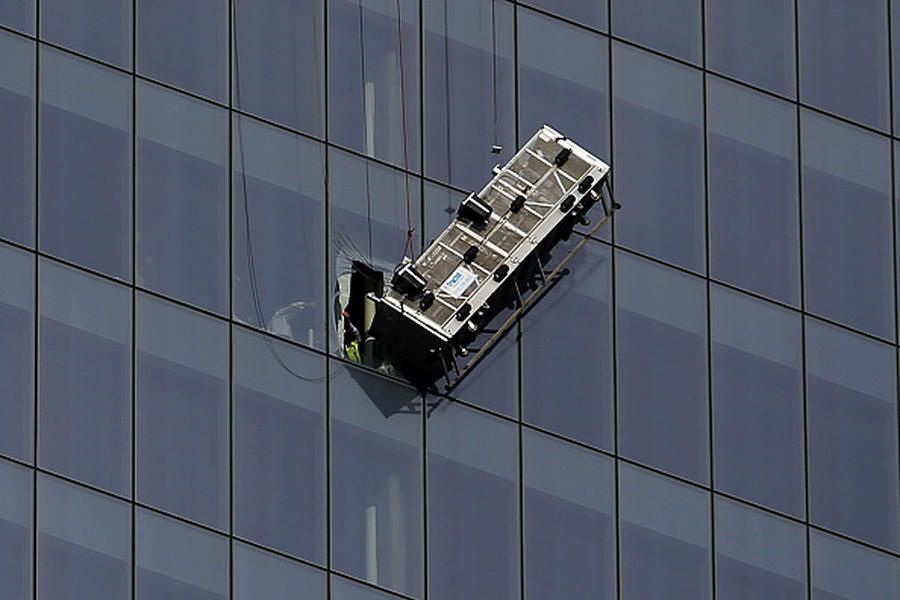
{"x":433,"y":319}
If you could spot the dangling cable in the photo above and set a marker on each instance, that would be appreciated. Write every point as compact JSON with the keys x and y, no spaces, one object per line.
{"x":362,"y":67}
{"x":407,"y":246}
{"x":496,"y":145}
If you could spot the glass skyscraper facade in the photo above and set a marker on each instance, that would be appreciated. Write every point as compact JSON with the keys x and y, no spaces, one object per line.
{"x":706,"y":407}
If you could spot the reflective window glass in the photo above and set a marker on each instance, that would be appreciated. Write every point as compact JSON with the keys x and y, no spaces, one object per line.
{"x":376,"y":480}
{"x":98,"y":28}
{"x":15,"y":531}
{"x":16,"y":353}
{"x":563,"y":81}
{"x":473,"y":505}
{"x":372,"y":103}
{"x":852,"y":412}
{"x":182,"y":412}
{"x":182,"y":197}
{"x":848,"y":245}
{"x":278,"y":61}
{"x":279,"y":200}
{"x":658,"y":144}
{"x":84,"y":543}
{"x":672,"y":27}
{"x":842,"y":569}
{"x":567,"y":353}
{"x":586,"y":12}
{"x":570,"y":530}
{"x":175,"y":560}
{"x":836,"y":38}
{"x":758,"y":555}
{"x":18,"y":14}
{"x":469,"y":89}
{"x":753,"y":191}
{"x":661,"y":317}
{"x":84,"y":407}
{"x":757,"y":401}
{"x":664,"y":536}
{"x":16,"y":137}
{"x":185,"y":43}
{"x":259,"y":574}
{"x":344,"y":589}
{"x":85,"y":163}
{"x":279,"y":446}
{"x":753,"y":40}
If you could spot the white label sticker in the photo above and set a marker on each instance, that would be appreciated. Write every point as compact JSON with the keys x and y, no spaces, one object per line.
{"x":457,"y":284}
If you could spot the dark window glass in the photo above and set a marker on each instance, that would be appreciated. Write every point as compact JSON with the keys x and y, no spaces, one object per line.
{"x":570,"y":530}
{"x":473,"y":505}
{"x":852,"y":412}
{"x":586,"y":12}
{"x":758,"y":555}
{"x":177,"y":561}
{"x":372,"y":106}
{"x":661,"y":316}
{"x":278,"y":61}
{"x":85,"y":378}
{"x":842,"y":569}
{"x":16,"y":138}
{"x":185,"y":43}
{"x":376,"y":480}
{"x":85,"y":163}
{"x":344,"y":589}
{"x":259,"y":574}
{"x":847,"y":241}
{"x":665,"y":537}
{"x":757,"y":401}
{"x":469,"y":89}
{"x":753,"y":40}
{"x":672,"y":27}
{"x":18,"y":14}
{"x":753,"y":191}
{"x":567,"y":353}
{"x":658,"y":144}
{"x":98,"y":28}
{"x":15,"y":531}
{"x":836,"y":39}
{"x":279,"y":198}
{"x":16,"y":353}
{"x":279,"y":446}
{"x":84,"y":543}
{"x":182,"y":197}
{"x":182,"y":412}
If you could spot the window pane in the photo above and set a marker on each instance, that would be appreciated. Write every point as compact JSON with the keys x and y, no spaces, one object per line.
{"x":852,"y":408}
{"x":837,"y":38}
{"x":98,"y":28}
{"x":17,"y":353}
{"x":570,"y":543}
{"x":16,"y":138}
{"x":665,"y":537}
{"x":841,"y":569}
{"x":344,"y":589}
{"x":185,"y":43}
{"x":757,"y":401}
{"x":671,"y":27}
{"x":365,"y":83}
{"x":661,"y":316}
{"x":659,"y":157}
{"x":85,"y":378}
{"x":469,"y":89}
{"x":258,"y":574}
{"x":84,"y":546}
{"x":567,"y":353}
{"x":18,"y":14}
{"x":473,"y":505}
{"x":587,"y":12}
{"x":182,"y":412}
{"x":182,"y":204}
{"x":848,"y":241}
{"x":85,"y":163}
{"x":278,"y":61}
{"x":279,"y":197}
{"x":279,"y":446}
{"x":376,"y":485}
{"x":754,"y":211}
{"x":15,"y":531}
{"x":177,"y":561}
{"x":753,"y":40}
{"x":563,"y":81}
